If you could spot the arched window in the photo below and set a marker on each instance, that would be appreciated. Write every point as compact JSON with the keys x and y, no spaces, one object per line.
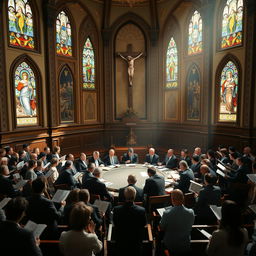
{"x":63,"y":35}
{"x":88,"y":62}
{"x":172,"y":65}
{"x":21,"y":30}
{"x":193,"y":94}
{"x":195,"y":34}
{"x":228,"y":93}
{"x":66,"y":96}
{"x":25,"y":96}
{"x":232,"y":24}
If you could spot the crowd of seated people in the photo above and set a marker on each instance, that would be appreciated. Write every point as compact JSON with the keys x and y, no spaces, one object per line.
{"x":46,"y":171}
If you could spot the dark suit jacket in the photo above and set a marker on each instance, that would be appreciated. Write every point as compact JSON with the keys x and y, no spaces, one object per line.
{"x":6,"y":187}
{"x":16,"y":240}
{"x":42,"y":210}
{"x":154,"y":161}
{"x":80,"y":166}
{"x":107,"y":160}
{"x":95,"y":186}
{"x":196,"y":169}
{"x":239,"y":176}
{"x":91,"y":160}
{"x":66,"y":177}
{"x":154,"y":186}
{"x":209,"y":195}
{"x":87,"y":175}
{"x":171,"y":163}
{"x":129,"y":221}
{"x":187,"y":159}
{"x":184,"y":181}
{"x":139,"y":194}
{"x":134,"y":158}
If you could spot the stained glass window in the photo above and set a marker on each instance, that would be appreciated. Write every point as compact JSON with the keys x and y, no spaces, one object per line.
{"x":21,"y":31}
{"x":88,"y":66}
{"x":63,"y":35}
{"x":172,"y":65}
{"x":193,"y":94}
{"x":228,"y":93}
{"x":25,"y":96}
{"x":195,"y":34}
{"x":232,"y":24}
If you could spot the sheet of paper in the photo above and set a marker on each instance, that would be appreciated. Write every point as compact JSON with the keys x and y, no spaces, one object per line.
{"x":48,"y":164}
{"x":221,"y":173}
{"x":49,"y":174}
{"x":253,"y":207}
{"x":20,"y":184}
{"x":252,"y":177}
{"x":161,"y":211}
{"x":102,"y":205}
{"x":144,"y":174}
{"x":205,"y":233}
{"x":37,"y":229}
{"x":77,"y":175}
{"x":4,"y":202}
{"x":130,"y":165}
{"x":216,"y":210}
{"x":60,"y":195}
{"x":108,"y":183}
{"x":16,"y":176}
{"x":195,"y":187}
{"x":62,"y":158}
{"x":20,"y":165}
{"x":63,"y":163}
{"x":222,"y":167}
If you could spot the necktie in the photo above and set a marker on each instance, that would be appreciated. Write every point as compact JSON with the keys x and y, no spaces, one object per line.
{"x":96,"y":163}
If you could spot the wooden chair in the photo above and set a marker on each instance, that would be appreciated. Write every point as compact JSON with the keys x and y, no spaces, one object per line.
{"x":155,"y":201}
{"x":50,"y":247}
{"x":189,"y":200}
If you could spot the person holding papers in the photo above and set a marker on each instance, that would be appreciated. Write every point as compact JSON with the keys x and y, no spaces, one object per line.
{"x":230,"y":238}
{"x":184,"y":156}
{"x":151,"y":157}
{"x":186,"y":175}
{"x":177,"y":224}
{"x":81,"y":164}
{"x":88,"y":173}
{"x":96,"y":159}
{"x":56,"y":152}
{"x":130,"y":157}
{"x":26,"y":148}
{"x":195,"y":167}
{"x":170,"y":160}
{"x":15,"y":239}
{"x":111,"y":158}
{"x":129,"y":220}
{"x":208,"y":195}
{"x":42,"y":210}
{"x":55,"y":174}
{"x":81,"y":240}
{"x":30,"y":173}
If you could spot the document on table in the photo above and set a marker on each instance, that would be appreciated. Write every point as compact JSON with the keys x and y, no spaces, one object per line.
{"x":143,"y":174}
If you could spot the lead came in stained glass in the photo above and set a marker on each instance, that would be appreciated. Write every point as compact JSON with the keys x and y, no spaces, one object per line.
{"x":172,"y":65}
{"x":195,"y":34}
{"x":228,"y":93}
{"x":25,"y":96}
{"x":63,"y":35}
{"x":21,"y":30}
{"x":232,"y":24}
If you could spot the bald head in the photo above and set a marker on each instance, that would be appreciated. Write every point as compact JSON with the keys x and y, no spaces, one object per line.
{"x":204,"y":169}
{"x":177,"y":197}
{"x":131,"y":179}
{"x":151,"y":151}
{"x":129,"y":194}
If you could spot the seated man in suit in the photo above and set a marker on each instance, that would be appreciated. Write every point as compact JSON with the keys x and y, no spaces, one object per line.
{"x":71,"y":158}
{"x":26,"y":148}
{"x":14,"y":238}
{"x":130,"y":157}
{"x":96,"y":159}
{"x":81,"y":164}
{"x":96,"y":187}
{"x":186,"y":175}
{"x":197,"y":151}
{"x":42,"y":210}
{"x":66,"y":176}
{"x":195,"y":167}
{"x":184,"y":156}
{"x":56,"y":152}
{"x":208,"y":195}
{"x":129,"y":220}
{"x":131,"y":183}
{"x":154,"y":185}
{"x":111,"y":158}
{"x":170,"y":160}
{"x":88,"y":173}
{"x":151,"y":157}
{"x":177,"y":224}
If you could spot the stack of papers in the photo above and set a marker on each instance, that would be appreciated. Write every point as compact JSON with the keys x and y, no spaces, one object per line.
{"x":4,"y":202}
{"x":37,"y":229}
{"x":216,"y":210}
{"x":101,"y":205}
{"x":60,"y":195}
{"x":130,"y":165}
{"x":195,"y":187}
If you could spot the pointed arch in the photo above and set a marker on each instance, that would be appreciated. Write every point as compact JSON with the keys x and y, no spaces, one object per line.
{"x":195,"y":34}
{"x":26,"y":81}
{"x":232,"y":23}
{"x":193,"y":89}
{"x":66,"y":95}
{"x":63,"y":34}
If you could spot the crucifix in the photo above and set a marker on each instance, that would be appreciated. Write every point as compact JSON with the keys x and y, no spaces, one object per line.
{"x":129,"y":56}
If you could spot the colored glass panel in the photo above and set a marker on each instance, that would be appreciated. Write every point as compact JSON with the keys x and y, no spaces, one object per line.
{"x":232,"y":24}
{"x":88,"y":66}
{"x":25,"y":96}
{"x":228,"y":93}
{"x":195,"y":34}
{"x":63,"y":35}
{"x":172,"y":65}
{"x":21,"y":31}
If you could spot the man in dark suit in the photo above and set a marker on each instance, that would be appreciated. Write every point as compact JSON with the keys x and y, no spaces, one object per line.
{"x":129,"y":220}
{"x":88,"y":173}
{"x":80,"y":164}
{"x":184,"y":156}
{"x":14,"y":238}
{"x":208,"y":195}
{"x":42,"y":210}
{"x":96,"y":159}
{"x":131,"y":183}
{"x":111,"y":158}
{"x":170,"y":160}
{"x":154,"y":185}
{"x":26,"y":148}
{"x":151,"y":157}
{"x":195,"y":167}
{"x":66,"y":176}
{"x":96,"y":187}
{"x":186,"y":175}
{"x":130,"y":157}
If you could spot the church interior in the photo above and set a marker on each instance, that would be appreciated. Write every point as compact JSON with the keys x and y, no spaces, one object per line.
{"x":94,"y":75}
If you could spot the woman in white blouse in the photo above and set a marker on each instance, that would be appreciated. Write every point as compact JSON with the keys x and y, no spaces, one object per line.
{"x":54,"y":174}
